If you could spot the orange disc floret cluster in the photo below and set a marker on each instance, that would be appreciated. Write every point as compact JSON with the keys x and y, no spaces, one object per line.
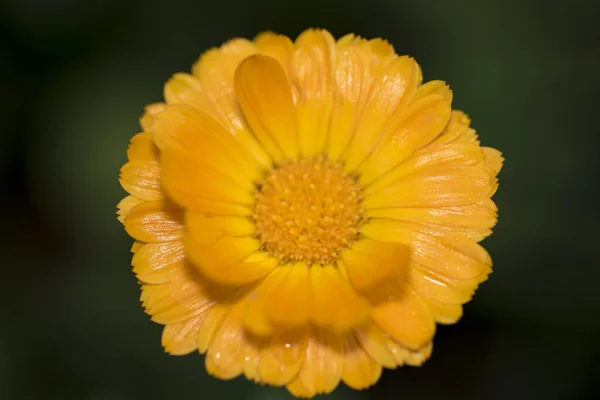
{"x":305,"y":212}
{"x":308,"y":210}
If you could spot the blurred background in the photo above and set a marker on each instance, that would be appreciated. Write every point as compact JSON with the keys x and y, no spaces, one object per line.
{"x":74,"y":78}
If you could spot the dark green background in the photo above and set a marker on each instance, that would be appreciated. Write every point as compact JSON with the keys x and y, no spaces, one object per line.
{"x":74,"y":77}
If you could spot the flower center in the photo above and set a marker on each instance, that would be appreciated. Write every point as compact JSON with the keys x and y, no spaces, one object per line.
{"x":308,"y":210}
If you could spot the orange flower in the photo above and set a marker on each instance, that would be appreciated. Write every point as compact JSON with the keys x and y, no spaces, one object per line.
{"x":306,"y":212}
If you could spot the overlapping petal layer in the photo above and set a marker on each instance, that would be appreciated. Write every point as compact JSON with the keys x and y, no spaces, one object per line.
{"x":411,"y":260}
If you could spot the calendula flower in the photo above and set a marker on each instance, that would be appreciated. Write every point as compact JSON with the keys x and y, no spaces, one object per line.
{"x":306,"y":212}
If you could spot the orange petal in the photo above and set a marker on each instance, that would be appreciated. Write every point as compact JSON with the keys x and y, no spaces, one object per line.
{"x":142,"y":180}
{"x":444,"y":313}
{"x":137,"y":246}
{"x":159,"y":262}
{"x":216,"y":69}
{"x":176,"y":301}
{"x":141,"y":175}
{"x":187,"y":89}
{"x":255,"y":317}
{"x":453,"y":154}
{"x":312,"y":78}
{"x":473,"y":220}
{"x":126,"y":205}
{"x":407,"y":320}
{"x":230,"y":260}
{"x":403,"y":355}
{"x":360,"y":370}
{"x":290,"y":303}
{"x":446,"y":253}
{"x":323,"y":363}
{"x":456,"y":131}
{"x":201,"y":138}
{"x":264,"y":95}
{"x":312,"y":63}
{"x":336,"y":304}
{"x":213,"y":317}
{"x":493,"y":160}
{"x":297,"y":388}
{"x":419,"y":125}
{"x":280,"y":47}
{"x":282,"y":358}
{"x":206,"y":230}
{"x":151,"y":111}
{"x":186,"y":180}
{"x":375,"y":344}
{"x":368,"y":262}
{"x":154,"y":222}
{"x":433,"y":87}
{"x":231,"y":349}
{"x":444,"y":187}
{"x":391,"y":92}
{"x":215,"y":207}
{"x":433,"y":286}
{"x":180,"y":339}
{"x":142,"y":148}
{"x":352,"y":83}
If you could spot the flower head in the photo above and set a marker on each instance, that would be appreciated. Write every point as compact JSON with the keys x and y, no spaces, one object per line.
{"x":306,"y":212}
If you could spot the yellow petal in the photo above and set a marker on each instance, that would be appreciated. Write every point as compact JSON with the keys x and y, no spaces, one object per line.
{"x":407,"y":320}
{"x":142,"y":180}
{"x":368,"y":262}
{"x":456,"y":131}
{"x":291,"y":302}
{"x":418,"y":357}
{"x":323,"y":363}
{"x":186,"y":180}
{"x":180,"y":339}
{"x":433,"y":87}
{"x":187,"y":89}
{"x":360,"y":370}
{"x":150,"y":112}
{"x":159,"y":262}
{"x":141,"y":175}
{"x":453,"y":154}
{"x":216,"y":69}
{"x":137,"y":246}
{"x":433,"y":286}
{"x":336,"y":304}
{"x":473,"y":220}
{"x":297,"y":388}
{"x":407,"y":356}
{"x":229,"y":259}
{"x":312,"y":63}
{"x":444,"y":313}
{"x":207,"y":230}
{"x":142,"y":148}
{"x":446,"y":253}
{"x":390,"y":94}
{"x":444,"y":187}
{"x":154,"y":222}
{"x":213,"y":317}
{"x":493,"y":159}
{"x":282,"y":358}
{"x":255,"y":318}
{"x":424,"y":120}
{"x":126,"y":205}
{"x":280,"y":47}
{"x":200,"y":137}
{"x":375,"y":344}
{"x":231,"y":349}
{"x":352,"y":83}
{"x":266,"y":100}
{"x":176,"y":301}
{"x":312,"y":78}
